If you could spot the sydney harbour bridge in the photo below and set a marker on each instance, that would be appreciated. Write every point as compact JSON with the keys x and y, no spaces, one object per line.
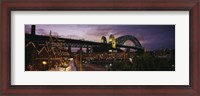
{"x":103,"y":45}
{"x":111,"y":44}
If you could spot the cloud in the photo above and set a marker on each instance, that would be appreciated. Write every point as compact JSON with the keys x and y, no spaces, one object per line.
{"x":73,"y":36}
{"x":102,"y":30}
{"x":28,"y":29}
{"x":41,"y":32}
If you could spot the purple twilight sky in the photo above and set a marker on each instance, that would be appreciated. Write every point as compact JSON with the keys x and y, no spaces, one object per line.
{"x":151,"y":37}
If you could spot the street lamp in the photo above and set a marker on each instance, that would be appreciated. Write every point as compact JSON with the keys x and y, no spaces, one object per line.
{"x":44,"y":63}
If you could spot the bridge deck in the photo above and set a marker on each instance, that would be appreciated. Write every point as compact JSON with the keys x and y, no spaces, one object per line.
{"x":73,"y":42}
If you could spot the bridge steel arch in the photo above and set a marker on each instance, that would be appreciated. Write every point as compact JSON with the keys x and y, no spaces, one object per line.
{"x":121,"y":40}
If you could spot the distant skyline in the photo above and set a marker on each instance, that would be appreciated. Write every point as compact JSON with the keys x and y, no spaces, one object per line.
{"x":151,"y":37}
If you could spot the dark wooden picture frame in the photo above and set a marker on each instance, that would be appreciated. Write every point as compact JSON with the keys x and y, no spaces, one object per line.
{"x":193,"y":89}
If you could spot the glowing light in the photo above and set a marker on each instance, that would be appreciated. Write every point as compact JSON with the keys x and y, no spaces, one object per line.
{"x":131,"y":60}
{"x":71,"y":59}
{"x":114,"y":44}
{"x":110,"y":40}
{"x":44,"y":62}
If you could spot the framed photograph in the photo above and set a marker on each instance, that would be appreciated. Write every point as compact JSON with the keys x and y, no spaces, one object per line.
{"x":112,"y":47}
